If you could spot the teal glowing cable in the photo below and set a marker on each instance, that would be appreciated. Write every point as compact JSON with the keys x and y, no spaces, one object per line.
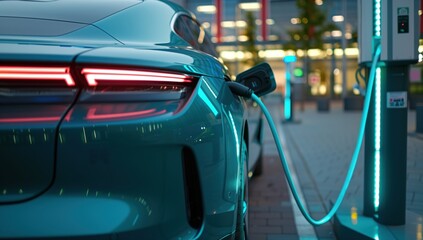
{"x":353,"y":160}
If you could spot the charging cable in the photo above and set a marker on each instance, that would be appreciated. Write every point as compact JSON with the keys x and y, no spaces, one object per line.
{"x":243,"y":91}
{"x":359,"y":76}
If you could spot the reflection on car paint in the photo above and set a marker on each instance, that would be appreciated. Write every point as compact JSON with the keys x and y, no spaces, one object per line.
{"x":235,"y":132}
{"x":29,"y":119}
{"x":93,"y":114}
{"x":26,"y":136}
{"x":38,"y":114}
{"x":207,"y":101}
{"x":102,"y":133}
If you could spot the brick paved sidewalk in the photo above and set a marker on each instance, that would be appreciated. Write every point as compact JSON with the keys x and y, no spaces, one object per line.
{"x":321,"y":148}
{"x":271,"y":215}
{"x":323,"y":145}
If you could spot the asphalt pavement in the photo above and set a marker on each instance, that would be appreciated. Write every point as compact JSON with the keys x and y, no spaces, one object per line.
{"x":319,"y":146}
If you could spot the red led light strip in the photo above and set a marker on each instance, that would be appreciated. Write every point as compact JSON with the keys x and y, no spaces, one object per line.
{"x":37,"y":73}
{"x":94,"y":75}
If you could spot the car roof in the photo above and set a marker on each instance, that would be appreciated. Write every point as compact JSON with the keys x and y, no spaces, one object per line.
{"x":130,"y":22}
{"x":78,"y":11}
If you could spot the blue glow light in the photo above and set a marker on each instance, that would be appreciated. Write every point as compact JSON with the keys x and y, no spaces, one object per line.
{"x":211,"y":90}
{"x":207,"y":101}
{"x":377,"y":181}
{"x":290,"y":59}
{"x":377,"y":18}
{"x":235,"y":134}
{"x":287,"y":103}
{"x":287,"y":110}
{"x":377,"y":138}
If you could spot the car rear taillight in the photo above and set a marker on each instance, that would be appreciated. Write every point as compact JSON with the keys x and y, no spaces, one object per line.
{"x":21,"y":75}
{"x":112,"y":94}
{"x":112,"y":77}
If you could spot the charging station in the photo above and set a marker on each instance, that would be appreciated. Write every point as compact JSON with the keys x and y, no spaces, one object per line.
{"x":388,"y":42}
{"x":392,"y":25}
{"x":288,"y":101}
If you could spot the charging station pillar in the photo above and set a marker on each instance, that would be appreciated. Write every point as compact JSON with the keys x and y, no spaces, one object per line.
{"x":391,"y":26}
{"x":395,"y":29}
{"x":288,"y":101}
{"x":386,"y":147}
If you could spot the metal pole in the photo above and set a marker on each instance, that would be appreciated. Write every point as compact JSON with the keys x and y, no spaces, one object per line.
{"x":344,"y":46}
{"x":218,"y":20}
{"x":263,"y":17}
{"x":237,"y":18}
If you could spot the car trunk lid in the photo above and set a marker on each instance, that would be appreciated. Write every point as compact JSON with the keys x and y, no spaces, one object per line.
{"x":34,"y":98}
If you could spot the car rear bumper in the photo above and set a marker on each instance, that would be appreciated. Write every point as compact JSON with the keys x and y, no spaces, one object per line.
{"x":132,"y":178}
{"x":102,"y":217}
{"x":135,"y":198}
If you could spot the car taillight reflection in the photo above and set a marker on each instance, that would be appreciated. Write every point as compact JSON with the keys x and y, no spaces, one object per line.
{"x":42,"y":74}
{"x":29,"y":119}
{"x":97,"y":76}
{"x":37,"y":113}
{"x":111,"y":112}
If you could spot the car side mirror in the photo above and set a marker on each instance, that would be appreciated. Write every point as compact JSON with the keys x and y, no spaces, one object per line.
{"x":259,"y":78}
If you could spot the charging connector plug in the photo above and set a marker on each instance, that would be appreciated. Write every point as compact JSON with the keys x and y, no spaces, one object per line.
{"x":240,"y":90}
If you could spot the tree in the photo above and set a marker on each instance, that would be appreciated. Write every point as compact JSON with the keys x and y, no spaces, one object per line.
{"x":250,"y":44}
{"x":313,"y":25}
{"x":309,"y":35}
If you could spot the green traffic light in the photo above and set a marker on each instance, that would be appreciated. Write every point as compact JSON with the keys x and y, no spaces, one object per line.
{"x":298,"y":72}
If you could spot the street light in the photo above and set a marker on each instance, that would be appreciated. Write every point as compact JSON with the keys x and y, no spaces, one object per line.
{"x":338,"y":18}
{"x":251,"y":6}
{"x":208,"y":9}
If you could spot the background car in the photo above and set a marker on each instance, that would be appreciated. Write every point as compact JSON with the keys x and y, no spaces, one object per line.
{"x":116,"y":122}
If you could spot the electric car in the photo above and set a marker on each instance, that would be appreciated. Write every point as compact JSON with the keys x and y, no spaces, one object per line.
{"x":117,"y":122}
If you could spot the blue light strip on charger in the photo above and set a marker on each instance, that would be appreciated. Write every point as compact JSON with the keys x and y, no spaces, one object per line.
{"x":377,"y":137}
{"x":377,"y":30}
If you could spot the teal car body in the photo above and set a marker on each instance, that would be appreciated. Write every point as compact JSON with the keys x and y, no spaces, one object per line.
{"x":116,"y":123}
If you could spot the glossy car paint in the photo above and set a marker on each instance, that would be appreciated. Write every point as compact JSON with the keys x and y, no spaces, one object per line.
{"x":77,"y":162}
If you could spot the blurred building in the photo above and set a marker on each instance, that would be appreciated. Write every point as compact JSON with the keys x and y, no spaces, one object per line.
{"x":327,"y":71}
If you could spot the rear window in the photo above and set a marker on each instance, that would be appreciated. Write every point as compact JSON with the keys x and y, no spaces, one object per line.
{"x":188,"y":29}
